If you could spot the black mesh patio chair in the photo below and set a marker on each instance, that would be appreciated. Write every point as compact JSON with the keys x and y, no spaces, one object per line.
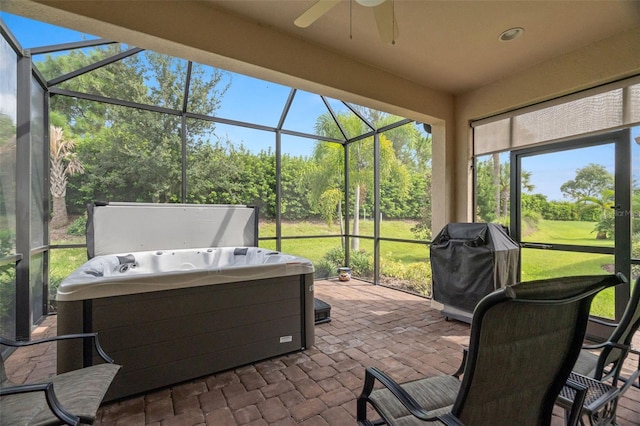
{"x":524,"y":341}
{"x":604,"y":361}
{"x":70,"y":398}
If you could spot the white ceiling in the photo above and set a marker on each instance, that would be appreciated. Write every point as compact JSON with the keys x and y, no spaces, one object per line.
{"x":450,"y":45}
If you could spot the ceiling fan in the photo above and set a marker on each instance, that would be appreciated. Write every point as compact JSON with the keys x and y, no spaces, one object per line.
{"x":383,"y":11}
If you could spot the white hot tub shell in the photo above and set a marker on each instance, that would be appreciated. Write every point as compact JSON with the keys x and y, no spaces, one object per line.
{"x":169,"y":316}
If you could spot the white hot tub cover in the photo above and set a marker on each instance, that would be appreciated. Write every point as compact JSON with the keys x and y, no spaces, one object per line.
{"x":118,"y":227}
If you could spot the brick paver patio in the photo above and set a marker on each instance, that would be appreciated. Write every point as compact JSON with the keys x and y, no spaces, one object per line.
{"x":371,"y":326}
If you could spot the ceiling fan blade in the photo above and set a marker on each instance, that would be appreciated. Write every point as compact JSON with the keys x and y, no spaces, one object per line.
{"x":314,"y":12}
{"x":386,"y":21}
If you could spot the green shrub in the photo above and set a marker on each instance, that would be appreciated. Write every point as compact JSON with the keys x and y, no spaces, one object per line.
{"x":532,"y":217}
{"x":7,"y":299}
{"x":561,"y":210}
{"x":324,"y":269}
{"x":503,"y":220}
{"x":413,"y":277}
{"x":54,"y":283}
{"x":422,"y":231}
{"x":78,"y":227}
{"x":7,"y":284}
{"x":335,"y":256}
{"x":605,"y":227}
{"x":361,"y":264}
{"x":530,"y":222}
{"x":635,"y":254}
{"x":7,"y":240}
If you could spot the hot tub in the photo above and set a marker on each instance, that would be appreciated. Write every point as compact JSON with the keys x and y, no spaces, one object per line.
{"x":169,"y":316}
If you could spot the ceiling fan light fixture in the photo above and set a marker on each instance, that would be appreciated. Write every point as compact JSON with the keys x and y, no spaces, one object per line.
{"x":511,"y":34}
{"x":370,"y":3}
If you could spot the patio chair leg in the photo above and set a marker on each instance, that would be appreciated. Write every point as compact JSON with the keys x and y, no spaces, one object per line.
{"x":605,"y":416}
{"x":602,"y":417}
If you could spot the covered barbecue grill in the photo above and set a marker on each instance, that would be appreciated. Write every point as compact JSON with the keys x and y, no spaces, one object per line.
{"x":469,"y":261}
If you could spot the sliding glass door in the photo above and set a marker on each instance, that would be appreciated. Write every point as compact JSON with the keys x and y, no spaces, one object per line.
{"x":575,"y":212}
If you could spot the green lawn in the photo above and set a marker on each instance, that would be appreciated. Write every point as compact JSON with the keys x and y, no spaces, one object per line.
{"x":314,"y":249}
{"x":567,"y":232}
{"x":536,"y":264}
{"x":62,"y":262}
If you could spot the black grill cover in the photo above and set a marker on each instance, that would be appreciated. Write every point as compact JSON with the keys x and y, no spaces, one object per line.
{"x":469,"y":261}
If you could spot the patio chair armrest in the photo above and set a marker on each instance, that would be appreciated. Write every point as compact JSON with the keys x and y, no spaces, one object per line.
{"x":450,"y":420}
{"x":604,"y":322}
{"x":463,"y":363}
{"x":50,"y":396}
{"x":372,"y":374}
{"x":575,"y":412}
{"x":12,"y":390}
{"x":604,"y":371}
{"x":612,"y":345}
{"x":93,"y":336}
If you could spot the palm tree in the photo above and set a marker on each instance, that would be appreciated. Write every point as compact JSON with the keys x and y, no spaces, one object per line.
{"x":327,"y":175}
{"x":64,"y":163}
{"x":504,"y":188}
{"x":604,"y":202}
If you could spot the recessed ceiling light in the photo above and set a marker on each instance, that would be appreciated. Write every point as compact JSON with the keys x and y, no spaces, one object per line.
{"x":511,"y":34}
{"x":370,"y":3}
